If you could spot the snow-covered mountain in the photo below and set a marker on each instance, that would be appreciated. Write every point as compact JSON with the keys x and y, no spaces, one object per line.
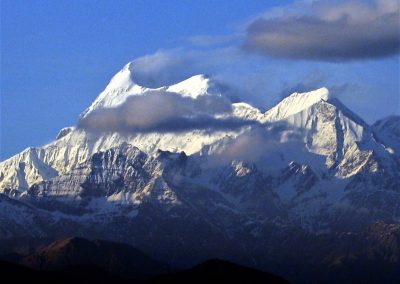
{"x":308,"y":163}
{"x":74,"y":146}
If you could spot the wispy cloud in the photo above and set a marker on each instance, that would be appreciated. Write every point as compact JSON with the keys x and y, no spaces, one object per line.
{"x":165,"y":67}
{"x":207,"y":40}
{"x":277,"y":143}
{"x":310,"y":82}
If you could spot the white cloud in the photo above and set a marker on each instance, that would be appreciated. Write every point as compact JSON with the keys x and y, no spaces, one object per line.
{"x":163,"y":112}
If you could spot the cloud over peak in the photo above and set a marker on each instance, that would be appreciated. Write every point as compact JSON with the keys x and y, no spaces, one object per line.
{"x":162,"y":111}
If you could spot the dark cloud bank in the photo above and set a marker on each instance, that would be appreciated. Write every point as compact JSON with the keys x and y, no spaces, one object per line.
{"x":331,"y":33}
{"x":164,"y":112}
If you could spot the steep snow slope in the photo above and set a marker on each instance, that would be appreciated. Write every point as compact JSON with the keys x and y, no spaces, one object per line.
{"x":295,"y":103}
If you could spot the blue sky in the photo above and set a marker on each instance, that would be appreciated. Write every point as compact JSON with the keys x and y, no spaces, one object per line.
{"x":56,"y":56}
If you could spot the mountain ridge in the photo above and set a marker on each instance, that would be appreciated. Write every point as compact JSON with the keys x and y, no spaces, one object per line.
{"x":308,"y":166}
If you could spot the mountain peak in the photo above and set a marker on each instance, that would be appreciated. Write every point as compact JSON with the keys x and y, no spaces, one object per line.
{"x":392,"y":121}
{"x":118,"y":89}
{"x":388,"y":130}
{"x":123,"y":85}
{"x":296,"y":102}
{"x":118,"y":258}
{"x":312,"y":96}
{"x":123,"y":79}
{"x":195,"y":86}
